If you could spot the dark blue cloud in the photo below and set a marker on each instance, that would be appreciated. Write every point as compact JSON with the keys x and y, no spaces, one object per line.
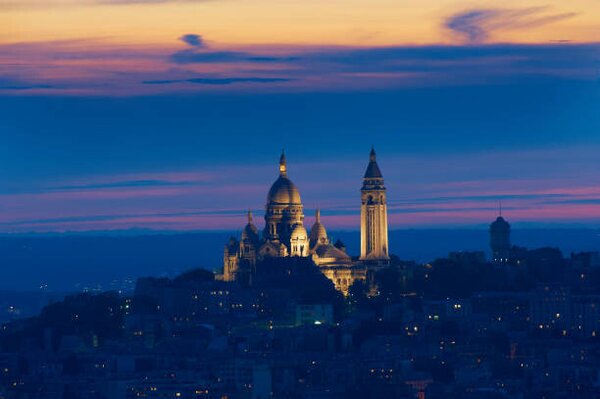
{"x":592,"y":201}
{"x":468,"y":24}
{"x":475,"y":59}
{"x":219,"y":81}
{"x":193,"y":40}
{"x":320,"y":67}
{"x":201,"y":57}
{"x":578,"y":54}
{"x":7,"y":83}
{"x":494,"y":198}
{"x":478,"y":24}
{"x":115,"y":217}
{"x":122,"y":184}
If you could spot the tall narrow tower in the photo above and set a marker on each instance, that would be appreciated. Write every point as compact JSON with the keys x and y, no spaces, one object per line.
{"x":500,"y":239}
{"x":373,"y":214}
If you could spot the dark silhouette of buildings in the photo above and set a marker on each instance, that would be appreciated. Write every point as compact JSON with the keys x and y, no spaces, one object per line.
{"x":500,"y":240}
{"x":457,"y":327}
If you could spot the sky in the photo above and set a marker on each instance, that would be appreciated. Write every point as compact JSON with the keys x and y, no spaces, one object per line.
{"x":171,"y":114}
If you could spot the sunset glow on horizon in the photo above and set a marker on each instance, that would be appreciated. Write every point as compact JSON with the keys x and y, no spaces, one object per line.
{"x":134,"y":46}
{"x":346,"y":23}
{"x":118,"y":114}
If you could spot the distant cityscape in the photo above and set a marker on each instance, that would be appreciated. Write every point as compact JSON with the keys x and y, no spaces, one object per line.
{"x":293,"y":314}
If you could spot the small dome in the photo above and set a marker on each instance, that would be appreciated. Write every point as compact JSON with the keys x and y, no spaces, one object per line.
{"x":318,"y":234}
{"x":328,"y":251}
{"x":250,"y":231}
{"x":283,"y":191}
{"x":299,"y":232}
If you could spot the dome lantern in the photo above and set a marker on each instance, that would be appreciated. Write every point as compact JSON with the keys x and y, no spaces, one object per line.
{"x":282,"y":164}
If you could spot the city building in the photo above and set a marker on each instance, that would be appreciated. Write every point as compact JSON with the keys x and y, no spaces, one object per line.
{"x":500,"y":239}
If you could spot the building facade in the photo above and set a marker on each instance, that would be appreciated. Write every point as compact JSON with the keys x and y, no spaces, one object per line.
{"x":284,"y":233}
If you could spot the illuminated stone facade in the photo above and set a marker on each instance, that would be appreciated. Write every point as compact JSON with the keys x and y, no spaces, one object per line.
{"x":373,"y":214}
{"x":284,"y":233}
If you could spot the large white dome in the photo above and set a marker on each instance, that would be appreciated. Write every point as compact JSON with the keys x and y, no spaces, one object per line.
{"x":284,"y":191}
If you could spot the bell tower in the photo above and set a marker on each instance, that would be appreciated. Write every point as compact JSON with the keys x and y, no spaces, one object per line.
{"x":373,"y":214}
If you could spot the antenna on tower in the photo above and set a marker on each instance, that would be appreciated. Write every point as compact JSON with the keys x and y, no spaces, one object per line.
{"x":500,"y":207}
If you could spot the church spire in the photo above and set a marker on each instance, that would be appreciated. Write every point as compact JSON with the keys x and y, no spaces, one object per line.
{"x":282,"y":164}
{"x":372,"y":171}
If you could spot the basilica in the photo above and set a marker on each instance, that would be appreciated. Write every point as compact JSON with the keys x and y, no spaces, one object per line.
{"x":284,"y":234}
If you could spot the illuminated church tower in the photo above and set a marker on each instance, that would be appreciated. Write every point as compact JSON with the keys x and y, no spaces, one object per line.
{"x":373,"y":214}
{"x":284,"y":230}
